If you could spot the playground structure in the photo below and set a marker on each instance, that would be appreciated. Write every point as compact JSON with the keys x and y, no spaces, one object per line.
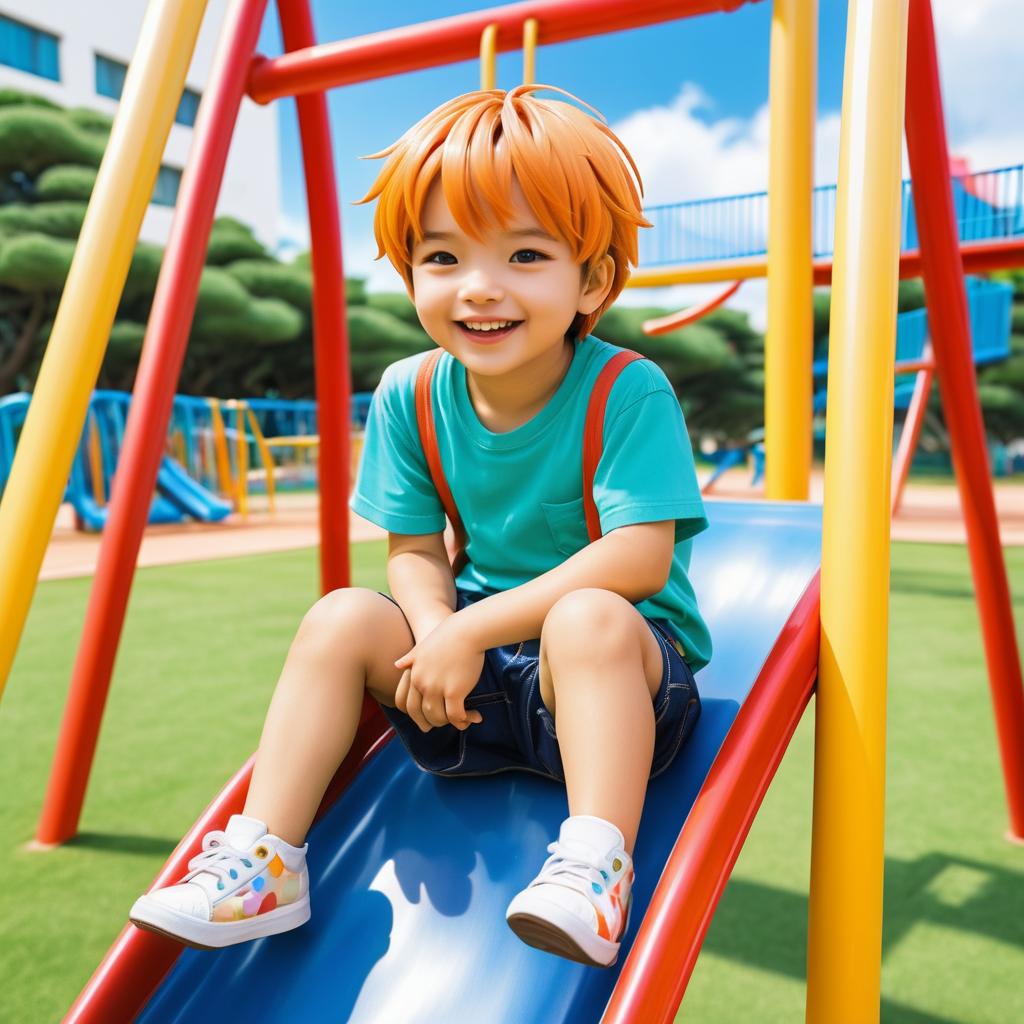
{"x":988,"y":304}
{"x":768,"y":635}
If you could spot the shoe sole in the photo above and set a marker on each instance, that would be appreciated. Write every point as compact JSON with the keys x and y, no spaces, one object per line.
{"x":189,"y":931}
{"x":553,"y":933}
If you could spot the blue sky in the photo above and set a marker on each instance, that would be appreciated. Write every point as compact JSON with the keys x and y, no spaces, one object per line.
{"x":688,"y":97}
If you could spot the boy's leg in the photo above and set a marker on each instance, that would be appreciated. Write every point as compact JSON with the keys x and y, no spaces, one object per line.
{"x":346,"y":645}
{"x":600,"y":669}
{"x":251,"y":879}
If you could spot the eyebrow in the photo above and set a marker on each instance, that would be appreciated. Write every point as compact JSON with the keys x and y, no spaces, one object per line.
{"x":447,"y":236}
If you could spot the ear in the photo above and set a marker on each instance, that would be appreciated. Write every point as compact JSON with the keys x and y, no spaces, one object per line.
{"x":597,"y":285}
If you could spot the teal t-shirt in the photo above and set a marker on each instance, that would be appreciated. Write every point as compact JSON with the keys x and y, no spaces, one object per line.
{"x":520,"y":493}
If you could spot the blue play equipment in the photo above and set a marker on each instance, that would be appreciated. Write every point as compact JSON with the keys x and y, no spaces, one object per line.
{"x":408,"y":869}
{"x":177,"y":495}
{"x":989,"y":305}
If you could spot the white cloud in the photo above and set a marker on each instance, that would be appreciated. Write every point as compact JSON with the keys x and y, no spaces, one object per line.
{"x":682,"y":153}
{"x":982,"y":79}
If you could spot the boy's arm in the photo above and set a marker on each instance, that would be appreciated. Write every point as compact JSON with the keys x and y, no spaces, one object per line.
{"x":632,"y":561}
{"x":421,"y":580}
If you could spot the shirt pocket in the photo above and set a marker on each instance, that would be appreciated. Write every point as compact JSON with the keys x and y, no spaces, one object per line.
{"x":568,"y":525}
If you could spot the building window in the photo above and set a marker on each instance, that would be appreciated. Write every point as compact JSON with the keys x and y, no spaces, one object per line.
{"x":29,"y":49}
{"x":110,"y":76}
{"x":168,"y":182}
{"x":188,"y":108}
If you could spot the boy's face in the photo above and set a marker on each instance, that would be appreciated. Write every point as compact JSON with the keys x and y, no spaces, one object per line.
{"x":518,"y":277}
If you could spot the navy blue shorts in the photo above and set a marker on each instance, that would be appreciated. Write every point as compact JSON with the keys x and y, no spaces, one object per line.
{"x":518,"y":731}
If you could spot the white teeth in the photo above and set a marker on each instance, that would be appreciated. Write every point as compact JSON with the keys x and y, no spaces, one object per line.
{"x":488,"y":325}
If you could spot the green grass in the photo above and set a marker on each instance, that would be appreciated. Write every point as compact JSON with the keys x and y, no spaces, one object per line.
{"x":204,"y":643}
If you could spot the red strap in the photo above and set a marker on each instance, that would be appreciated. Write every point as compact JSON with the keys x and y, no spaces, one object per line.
{"x":428,"y":440}
{"x":593,"y":434}
{"x":593,"y":443}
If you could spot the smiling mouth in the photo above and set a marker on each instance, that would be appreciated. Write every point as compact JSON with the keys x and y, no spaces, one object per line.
{"x":491,"y":333}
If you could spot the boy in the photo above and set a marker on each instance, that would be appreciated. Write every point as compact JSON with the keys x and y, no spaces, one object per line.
{"x":513,"y":223}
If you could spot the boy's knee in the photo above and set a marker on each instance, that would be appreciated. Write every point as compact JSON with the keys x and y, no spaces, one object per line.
{"x":348,"y":611}
{"x":588,"y":618}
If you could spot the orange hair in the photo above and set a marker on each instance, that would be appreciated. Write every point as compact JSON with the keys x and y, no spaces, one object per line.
{"x":573,"y":170}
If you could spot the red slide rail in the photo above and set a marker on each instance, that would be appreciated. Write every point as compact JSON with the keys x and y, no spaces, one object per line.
{"x":658,"y":968}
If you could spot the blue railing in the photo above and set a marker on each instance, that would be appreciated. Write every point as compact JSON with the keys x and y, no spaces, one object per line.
{"x":988,"y":205}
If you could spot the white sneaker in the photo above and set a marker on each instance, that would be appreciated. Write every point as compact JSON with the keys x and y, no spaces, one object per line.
{"x":244,"y":885}
{"x":578,"y":906}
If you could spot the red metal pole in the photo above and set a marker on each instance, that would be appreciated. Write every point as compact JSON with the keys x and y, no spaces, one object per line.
{"x":447,"y":40}
{"x":146,"y":429}
{"x":330,"y":330}
{"x":950,"y":331}
{"x":911,"y":432}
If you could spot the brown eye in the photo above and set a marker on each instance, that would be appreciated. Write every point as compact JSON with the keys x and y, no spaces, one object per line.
{"x":442,"y":259}
{"x":527,"y":256}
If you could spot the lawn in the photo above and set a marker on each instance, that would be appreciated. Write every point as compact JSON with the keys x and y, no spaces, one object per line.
{"x":204,"y":643}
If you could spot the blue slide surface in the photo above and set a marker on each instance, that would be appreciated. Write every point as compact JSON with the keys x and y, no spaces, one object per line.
{"x":190,"y":498}
{"x":177,"y":497}
{"x":411,"y":873}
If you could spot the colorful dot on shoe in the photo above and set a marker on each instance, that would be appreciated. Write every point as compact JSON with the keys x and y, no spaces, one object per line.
{"x":258,"y":883}
{"x":596,"y":887}
{"x":604,"y":875}
{"x":616,"y":864}
{"x":251,"y":904}
{"x":268,"y":904}
{"x":276,"y":866}
{"x":233,"y":873}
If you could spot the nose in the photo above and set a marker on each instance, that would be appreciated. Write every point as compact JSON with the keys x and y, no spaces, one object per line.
{"x":479,"y":287}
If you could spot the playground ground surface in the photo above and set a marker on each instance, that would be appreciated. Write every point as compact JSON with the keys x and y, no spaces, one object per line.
{"x":204,"y":643}
{"x":930,"y":512}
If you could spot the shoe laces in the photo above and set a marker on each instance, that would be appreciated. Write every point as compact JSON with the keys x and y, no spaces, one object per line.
{"x":219,"y":859}
{"x":566,"y":868}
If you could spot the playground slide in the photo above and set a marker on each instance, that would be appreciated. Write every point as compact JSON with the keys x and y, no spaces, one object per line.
{"x":411,"y":873}
{"x":187,"y":495}
{"x":94,"y":517}
{"x":178,"y":496}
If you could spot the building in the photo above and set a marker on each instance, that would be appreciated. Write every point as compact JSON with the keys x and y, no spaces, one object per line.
{"x":76,"y":54}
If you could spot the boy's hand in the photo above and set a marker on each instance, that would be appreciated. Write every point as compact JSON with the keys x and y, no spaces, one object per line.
{"x":439,"y":673}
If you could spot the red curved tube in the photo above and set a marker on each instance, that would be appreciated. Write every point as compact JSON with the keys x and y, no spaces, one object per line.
{"x":690,"y":315}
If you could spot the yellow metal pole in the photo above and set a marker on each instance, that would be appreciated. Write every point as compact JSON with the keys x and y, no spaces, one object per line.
{"x":489,"y":57}
{"x":124,"y":184}
{"x":241,"y":455}
{"x":265,"y":456}
{"x":700,"y":273}
{"x":96,"y":462}
{"x":220,"y":450}
{"x":529,"y":51}
{"x":789,"y":339}
{"x":847,"y":856}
